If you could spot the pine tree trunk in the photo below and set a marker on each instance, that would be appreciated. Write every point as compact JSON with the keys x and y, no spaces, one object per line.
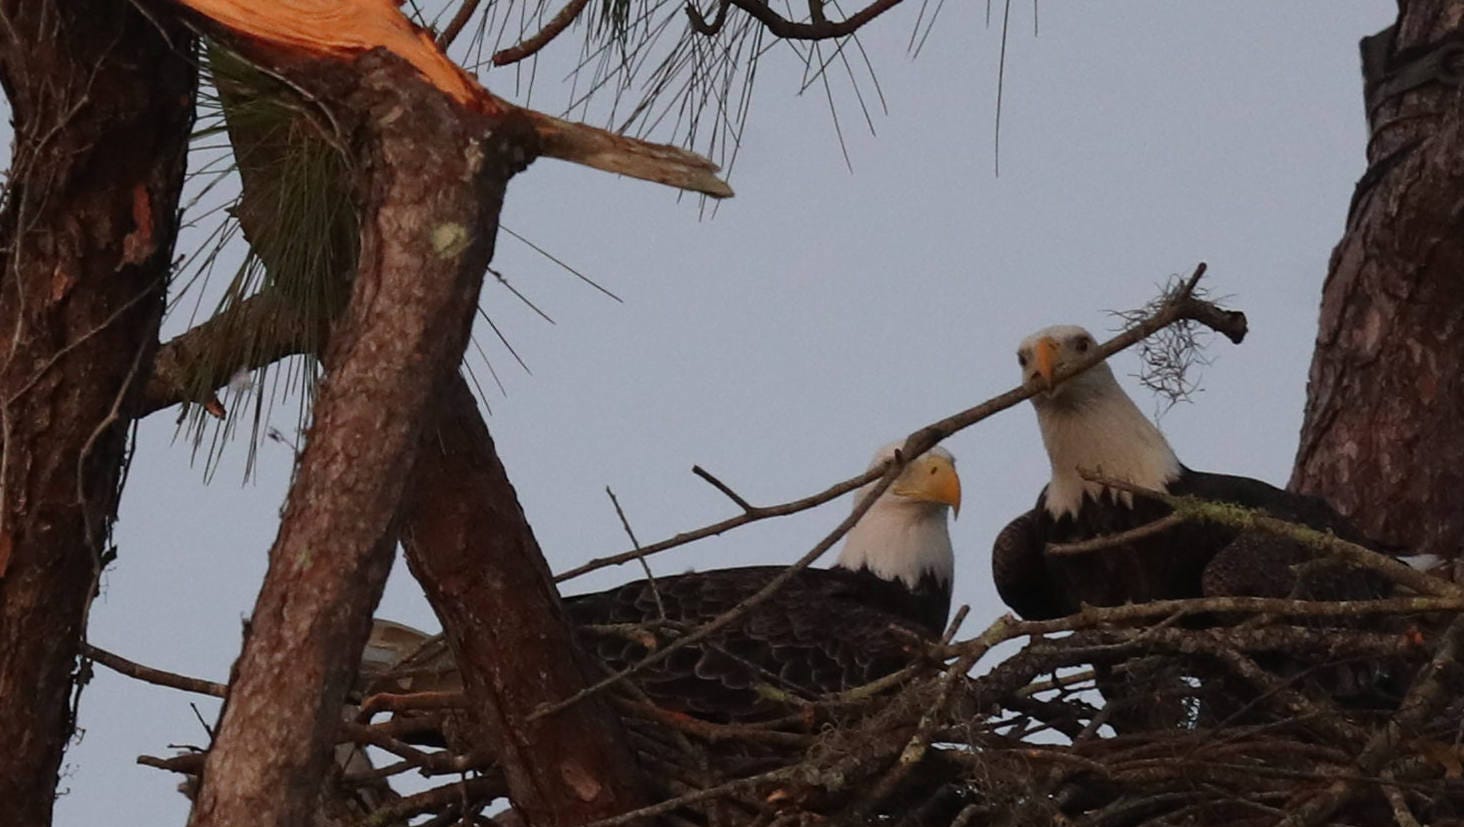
{"x":102,"y":101}
{"x":472,"y":549}
{"x":1383,"y":436}
{"x":432,"y":180}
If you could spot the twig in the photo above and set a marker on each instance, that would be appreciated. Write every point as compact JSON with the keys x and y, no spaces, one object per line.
{"x":1423,"y":698}
{"x":482,"y":788}
{"x":890,"y":469}
{"x":411,"y":702}
{"x":455,"y":26}
{"x":955,"y":625}
{"x":404,"y":726}
{"x":786,"y":29}
{"x":1056,"y":682}
{"x":378,"y":773}
{"x":1107,"y":541}
{"x":723,"y":487}
{"x":635,"y":544}
{"x":756,"y":514}
{"x":1091,"y":616}
{"x":1402,"y":815}
{"x":714,"y":732}
{"x":1180,"y":305}
{"x":556,"y":26}
{"x":701,"y":25}
{"x":780,"y":774}
{"x":919,"y":743}
{"x":190,"y":763}
{"x":436,"y":762}
{"x":172,"y":680}
{"x":864,"y":692}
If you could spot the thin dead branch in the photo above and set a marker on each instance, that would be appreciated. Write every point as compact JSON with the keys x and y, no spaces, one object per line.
{"x":1179,"y":305}
{"x":531,"y":45}
{"x":147,"y":674}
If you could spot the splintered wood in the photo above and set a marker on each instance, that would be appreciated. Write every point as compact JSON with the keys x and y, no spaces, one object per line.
{"x":346,"y":29}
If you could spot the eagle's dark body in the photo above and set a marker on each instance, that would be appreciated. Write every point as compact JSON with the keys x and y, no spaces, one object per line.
{"x":826,"y":630}
{"x":1193,"y":559}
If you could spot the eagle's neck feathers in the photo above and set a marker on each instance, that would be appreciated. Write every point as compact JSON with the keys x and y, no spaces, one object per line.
{"x":1101,"y":431}
{"x":901,"y":540}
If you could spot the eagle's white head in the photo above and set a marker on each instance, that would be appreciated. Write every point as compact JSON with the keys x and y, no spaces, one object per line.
{"x":904,"y":535}
{"x":1088,"y":423}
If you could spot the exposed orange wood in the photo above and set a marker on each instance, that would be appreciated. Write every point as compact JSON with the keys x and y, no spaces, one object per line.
{"x":348,"y":28}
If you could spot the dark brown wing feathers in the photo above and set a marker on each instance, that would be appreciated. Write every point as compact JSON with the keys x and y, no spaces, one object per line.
{"x":1190,"y":560}
{"x":823,"y":632}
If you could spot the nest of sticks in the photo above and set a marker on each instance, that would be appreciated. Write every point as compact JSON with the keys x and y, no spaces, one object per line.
{"x":1216,"y":711}
{"x":1222,"y":711}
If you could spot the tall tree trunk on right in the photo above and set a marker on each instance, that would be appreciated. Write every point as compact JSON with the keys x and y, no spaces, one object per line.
{"x":102,"y":101}
{"x":1383,"y":436}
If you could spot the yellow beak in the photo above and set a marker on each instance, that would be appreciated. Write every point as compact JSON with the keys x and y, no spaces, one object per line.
{"x":934,"y":480}
{"x":1045,"y":354}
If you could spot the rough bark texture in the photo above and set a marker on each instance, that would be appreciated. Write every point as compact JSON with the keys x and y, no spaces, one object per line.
{"x":433,"y":181}
{"x":102,"y":106}
{"x":473,"y":551}
{"x":1382,"y":437}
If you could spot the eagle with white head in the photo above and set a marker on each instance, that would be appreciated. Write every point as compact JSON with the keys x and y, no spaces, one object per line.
{"x":826,"y":630}
{"x":1091,"y":427}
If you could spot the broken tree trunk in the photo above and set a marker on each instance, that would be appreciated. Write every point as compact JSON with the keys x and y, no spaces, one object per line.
{"x":433,"y":175}
{"x":102,"y":102}
{"x":345,"y":29}
{"x":436,"y":181}
{"x":1382,"y":438}
{"x":470,"y":546}
{"x":330,"y":560}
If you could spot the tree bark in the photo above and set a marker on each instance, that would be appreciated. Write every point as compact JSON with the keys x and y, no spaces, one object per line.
{"x":557,"y":772}
{"x":102,"y":103}
{"x":470,"y":546}
{"x":434,"y":175}
{"x":1381,"y":437}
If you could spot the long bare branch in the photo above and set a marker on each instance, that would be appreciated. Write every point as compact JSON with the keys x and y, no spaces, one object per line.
{"x":1181,"y":305}
{"x":148,"y":674}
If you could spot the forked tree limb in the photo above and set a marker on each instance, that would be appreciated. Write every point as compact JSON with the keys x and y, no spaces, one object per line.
{"x":283,"y":32}
{"x":470,"y":546}
{"x":561,"y":772}
{"x":432,"y":180}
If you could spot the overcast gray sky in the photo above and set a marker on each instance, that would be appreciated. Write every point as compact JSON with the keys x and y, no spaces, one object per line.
{"x":821,"y":313}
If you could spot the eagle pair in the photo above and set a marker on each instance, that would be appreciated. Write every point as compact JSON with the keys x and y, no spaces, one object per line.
{"x":830,"y":630}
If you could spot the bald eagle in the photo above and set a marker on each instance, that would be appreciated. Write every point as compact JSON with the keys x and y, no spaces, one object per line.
{"x":827,"y":630}
{"x":1089,"y":424}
